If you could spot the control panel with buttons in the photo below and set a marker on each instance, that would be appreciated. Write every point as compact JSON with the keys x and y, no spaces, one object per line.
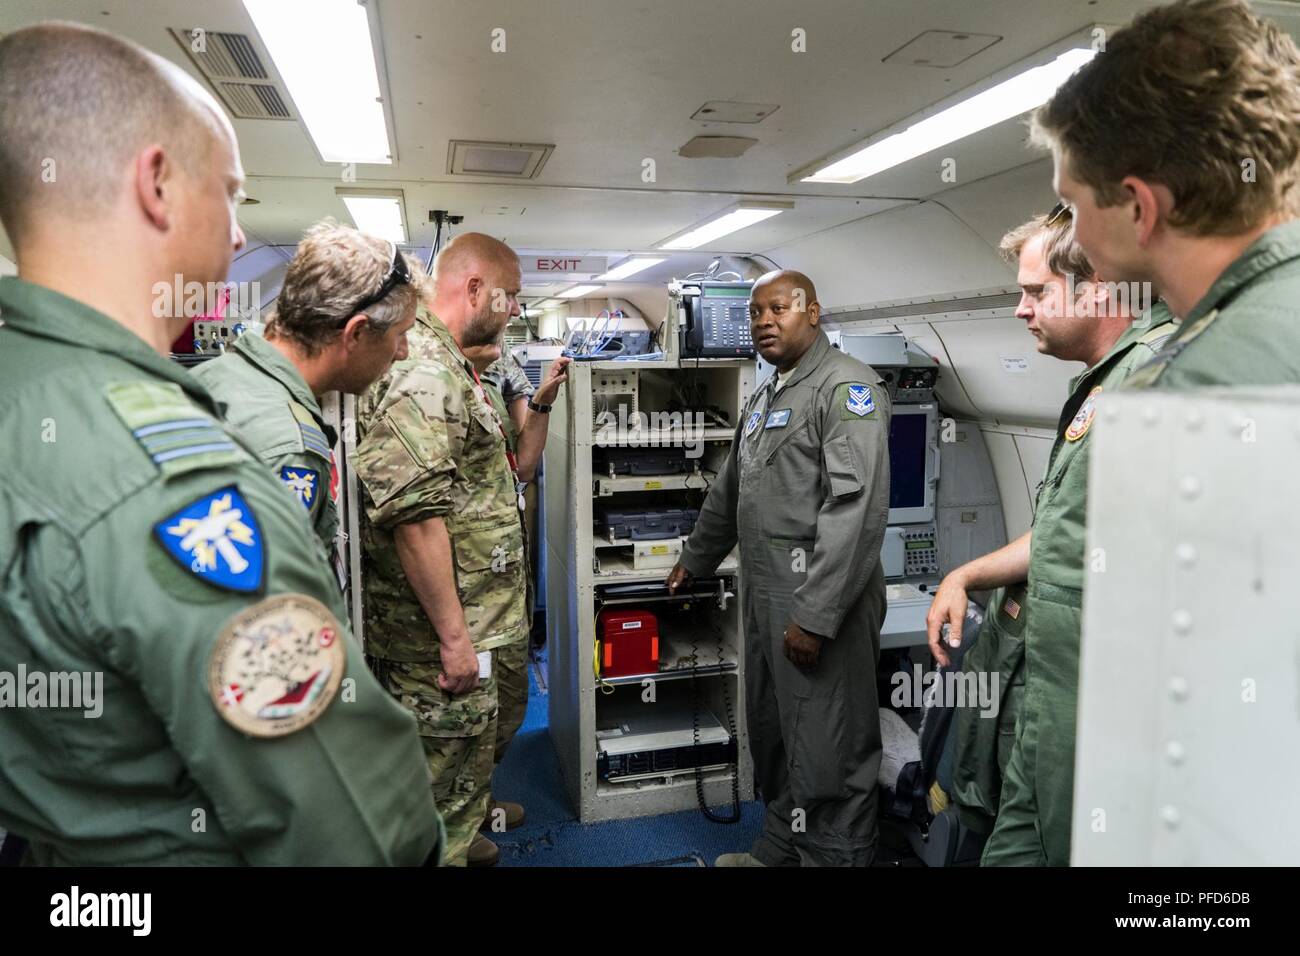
{"x":920,"y":553}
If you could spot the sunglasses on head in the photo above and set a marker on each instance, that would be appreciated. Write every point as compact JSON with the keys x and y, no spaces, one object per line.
{"x":1060,"y":211}
{"x":399,"y":273}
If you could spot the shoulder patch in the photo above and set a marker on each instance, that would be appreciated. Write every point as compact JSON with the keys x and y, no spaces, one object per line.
{"x":174,"y":432}
{"x":857,"y":401}
{"x":313,"y":439}
{"x":1083,"y":418}
{"x":217,"y":538}
{"x":277,"y":665}
{"x":303,"y":482}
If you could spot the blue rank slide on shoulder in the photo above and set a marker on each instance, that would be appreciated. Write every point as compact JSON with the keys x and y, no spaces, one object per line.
{"x":858,"y":401}
{"x":303,"y":482}
{"x":217,"y":538}
{"x":175,"y":433}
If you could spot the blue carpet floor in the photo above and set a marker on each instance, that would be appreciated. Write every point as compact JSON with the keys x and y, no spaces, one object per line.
{"x":552,"y":836}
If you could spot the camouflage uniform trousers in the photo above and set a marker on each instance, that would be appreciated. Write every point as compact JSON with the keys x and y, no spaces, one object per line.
{"x":511,"y":668}
{"x":458,"y":734}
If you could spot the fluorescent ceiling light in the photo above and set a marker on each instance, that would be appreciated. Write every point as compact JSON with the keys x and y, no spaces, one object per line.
{"x":745,"y":214}
{"x":1011,"y":97}
{"x":323,"y":51}
{"x":579,"y":290}
{"x":377,"y":215}
{"x":631,"y":267}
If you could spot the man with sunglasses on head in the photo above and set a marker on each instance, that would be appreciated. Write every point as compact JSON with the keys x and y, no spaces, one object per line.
{"x":1033,"y":622}
{"x":340,"y":321}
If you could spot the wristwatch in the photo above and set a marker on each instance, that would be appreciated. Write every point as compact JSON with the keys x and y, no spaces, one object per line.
{"x":541,"y":409}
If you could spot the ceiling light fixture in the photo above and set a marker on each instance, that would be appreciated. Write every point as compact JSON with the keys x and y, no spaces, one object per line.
{"x":578,"y":291}
{"x":1020,"y":93}
{"x":324,"y":52}
{"x":631,"y":267}
{"x":378,"y":212}
{"x":736,"y":218}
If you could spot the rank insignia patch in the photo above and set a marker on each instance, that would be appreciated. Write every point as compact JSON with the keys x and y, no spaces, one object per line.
{"x":754,"y":418}
{"x":217,"y":538}
{"x":778,"y":419}
{"x":277,"y":665}
{"x":303,"y":482}
{"x":859,"y":401}
{"x":1083,"y":418}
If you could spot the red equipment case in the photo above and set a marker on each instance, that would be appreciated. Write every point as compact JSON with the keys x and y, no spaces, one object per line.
{"x":629,"y":642}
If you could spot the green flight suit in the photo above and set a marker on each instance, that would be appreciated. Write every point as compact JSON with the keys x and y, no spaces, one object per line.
{"x":143,"y":543}
{"x":430,"y":445}
{"x":267,"y":399}
{"x":1033,"y":820}
{"x":805,"y":491}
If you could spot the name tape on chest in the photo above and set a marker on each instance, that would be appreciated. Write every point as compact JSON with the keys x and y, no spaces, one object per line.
{"x":778,"y":419}
{"x":277,"y":665}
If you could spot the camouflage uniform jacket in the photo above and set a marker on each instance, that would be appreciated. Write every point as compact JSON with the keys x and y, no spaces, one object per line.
{"x":431,"y":445}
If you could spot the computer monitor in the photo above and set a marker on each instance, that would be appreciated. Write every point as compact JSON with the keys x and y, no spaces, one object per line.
{"x":913,"y":462}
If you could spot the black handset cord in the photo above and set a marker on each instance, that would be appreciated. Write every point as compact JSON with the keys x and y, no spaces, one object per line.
{"x":731,"y":729}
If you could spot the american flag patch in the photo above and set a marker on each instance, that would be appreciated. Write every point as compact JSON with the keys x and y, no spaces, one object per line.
{"x":1012,"y":608}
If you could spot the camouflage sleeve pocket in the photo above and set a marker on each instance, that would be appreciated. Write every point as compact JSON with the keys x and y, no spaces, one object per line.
{"x":493,"y":548}
{"x":386,"y":460}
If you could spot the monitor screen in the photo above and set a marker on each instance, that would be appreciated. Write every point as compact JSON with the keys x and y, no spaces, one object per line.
{"x":907,"y":446}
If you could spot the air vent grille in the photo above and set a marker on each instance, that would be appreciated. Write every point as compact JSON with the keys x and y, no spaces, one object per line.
{"x":235,"y":66}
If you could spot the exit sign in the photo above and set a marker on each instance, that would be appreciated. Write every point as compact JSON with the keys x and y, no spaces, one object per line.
{"x":589,"y":266}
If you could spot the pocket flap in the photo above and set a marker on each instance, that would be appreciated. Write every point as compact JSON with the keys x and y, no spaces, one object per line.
{"x":491,"y":548}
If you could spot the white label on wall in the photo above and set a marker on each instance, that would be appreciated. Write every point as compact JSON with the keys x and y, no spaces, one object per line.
{"x":1015,"y":366}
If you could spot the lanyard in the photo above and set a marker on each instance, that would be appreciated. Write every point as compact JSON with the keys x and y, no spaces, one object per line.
{"x":505,"y":439}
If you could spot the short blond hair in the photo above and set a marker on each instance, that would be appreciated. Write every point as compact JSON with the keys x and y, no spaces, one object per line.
{"x":334,"y":268}
{"x":76,"y":104}
{"x":1187,"y":96}
{"x":1061,"y":251}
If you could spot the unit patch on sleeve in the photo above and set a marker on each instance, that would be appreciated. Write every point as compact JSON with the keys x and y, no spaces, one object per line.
{"x":303,"y":482}
{"x":217,"y":539}
{"x":858,"y":402}
{"x":1083,"y":418}
{"x":277,"y":665}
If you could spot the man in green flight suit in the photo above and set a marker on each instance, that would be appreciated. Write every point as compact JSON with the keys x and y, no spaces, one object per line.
{"x":442,"y":538}
{"x":340,"y":321}
{"x":1202,"y":203}
{"x":805,"y":492}
{"x":1074,"y":316}
{"x":143,"y":547}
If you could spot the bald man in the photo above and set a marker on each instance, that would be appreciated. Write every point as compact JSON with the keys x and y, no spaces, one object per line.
{"x":805,"y":492}
{"x":442,"y":534}
{"x":150,"y":565}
